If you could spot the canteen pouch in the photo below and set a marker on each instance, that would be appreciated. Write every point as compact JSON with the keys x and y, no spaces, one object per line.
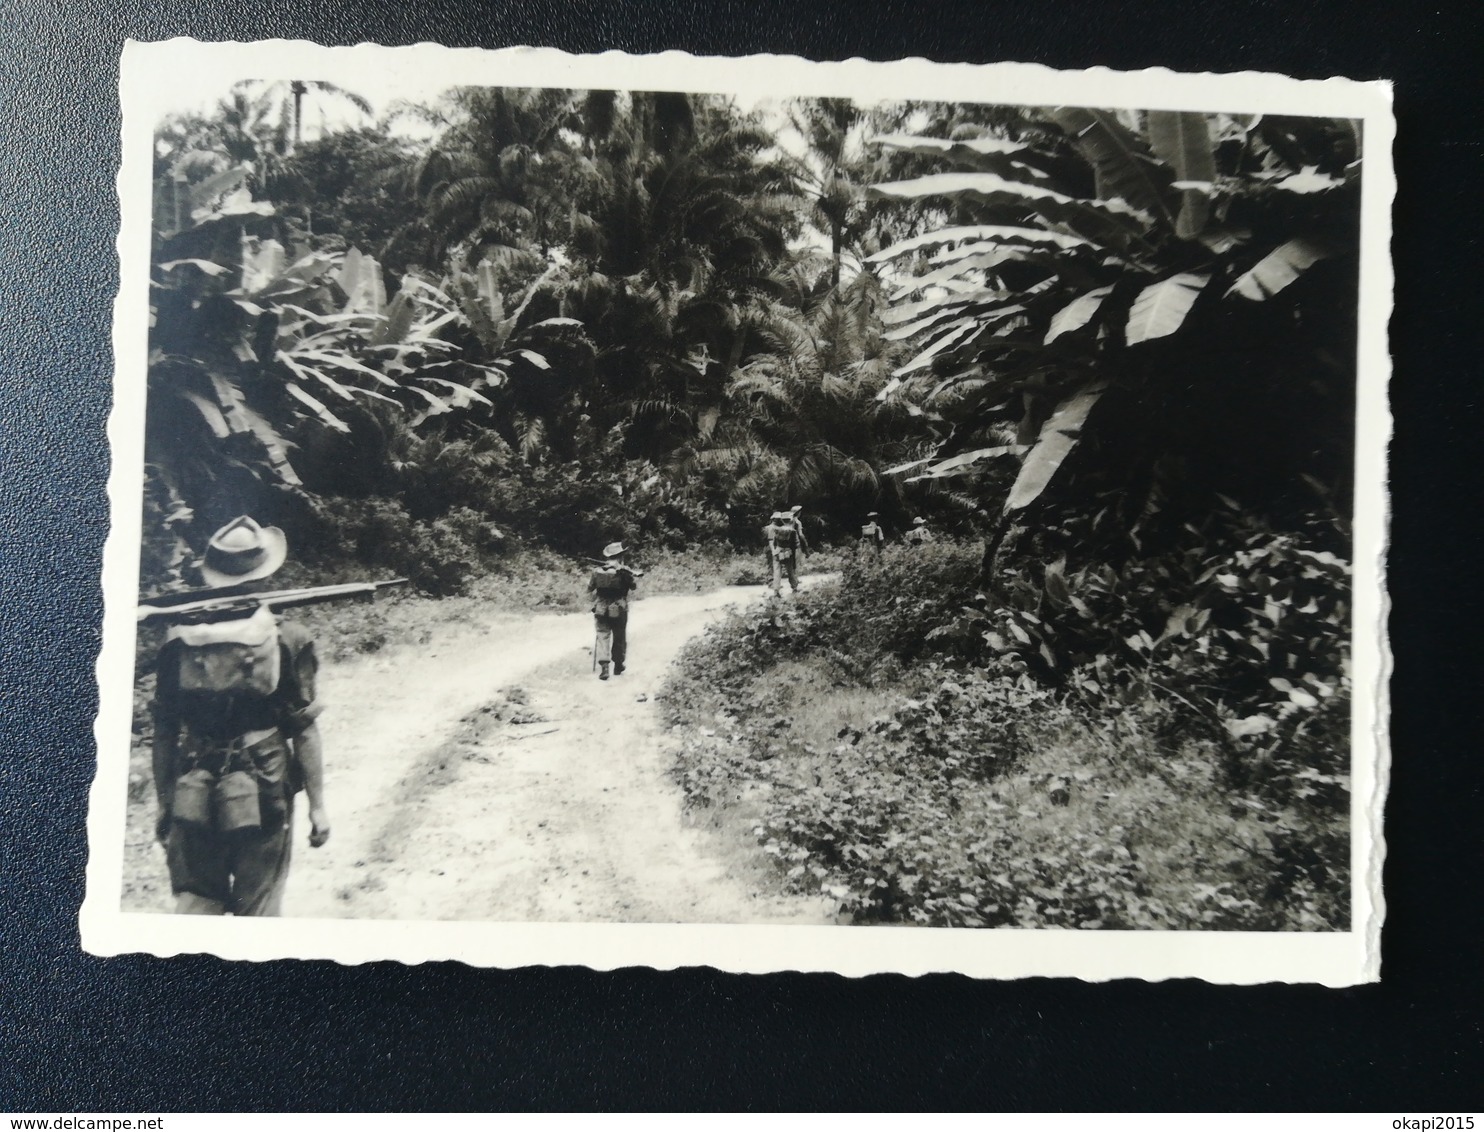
{"x":238,"y":657}
{"x":192,"y":804}
{"x":237,"y":805}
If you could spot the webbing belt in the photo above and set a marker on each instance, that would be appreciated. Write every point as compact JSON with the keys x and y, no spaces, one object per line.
{"x":203,"y":748}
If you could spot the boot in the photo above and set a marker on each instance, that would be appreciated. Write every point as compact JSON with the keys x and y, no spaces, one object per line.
{"x":617,"y":669}
{"x":602,"y":670}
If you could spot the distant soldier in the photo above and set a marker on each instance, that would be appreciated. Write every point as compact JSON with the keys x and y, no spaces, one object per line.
{"x":236,"y":739}
{"x":609,"y":587}
{"x":919,"y":535}
{"x":796,"y":513}
{"x":872,"y":536}
{"x":782,"y":534}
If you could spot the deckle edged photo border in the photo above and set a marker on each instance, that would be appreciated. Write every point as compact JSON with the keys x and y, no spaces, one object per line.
{"x":153,"y":75}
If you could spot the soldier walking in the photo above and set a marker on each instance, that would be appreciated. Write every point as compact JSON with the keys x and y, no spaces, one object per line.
{"x":919,"y":535}
{"x":783,"y":548}
{"x":872,"y":536}
{"x":609,"y":587}
{"x":796,"y":513}
{"x":236,"y":739}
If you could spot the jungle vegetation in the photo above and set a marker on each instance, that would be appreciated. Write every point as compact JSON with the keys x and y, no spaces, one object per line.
{"x":1109,"y":355}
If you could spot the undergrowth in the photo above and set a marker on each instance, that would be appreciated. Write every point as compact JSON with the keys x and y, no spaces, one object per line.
{"x":923,"y":776}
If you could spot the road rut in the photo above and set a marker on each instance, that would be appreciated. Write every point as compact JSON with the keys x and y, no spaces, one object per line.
{"x":445,"y":809}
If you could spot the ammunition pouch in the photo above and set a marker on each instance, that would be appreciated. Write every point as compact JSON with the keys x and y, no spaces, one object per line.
{"x":236,"y":802}
{"x":246,"y":783}
{"x":192,"y":801}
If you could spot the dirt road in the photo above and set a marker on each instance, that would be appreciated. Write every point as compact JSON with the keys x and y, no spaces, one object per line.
{"x":450,"y":799}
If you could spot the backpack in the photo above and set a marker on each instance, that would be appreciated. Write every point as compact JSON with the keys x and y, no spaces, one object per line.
{"x":786,"y":537}
{"x":608,"y":584}
{"x":236,"y":657}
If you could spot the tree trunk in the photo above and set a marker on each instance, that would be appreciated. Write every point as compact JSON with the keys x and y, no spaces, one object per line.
{"x":989,"y":564}
{"x":299,"y":90}
{"x":835,"y":240}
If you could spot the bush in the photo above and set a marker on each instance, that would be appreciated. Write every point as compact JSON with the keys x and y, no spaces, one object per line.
{"x":1191,"y":776}
{"x":981,"y":801}
{"x":889,"y":605}
{"x":439,"y":556}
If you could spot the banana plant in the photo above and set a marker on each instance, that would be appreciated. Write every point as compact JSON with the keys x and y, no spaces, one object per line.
{"x":256,"y":339}
{"x":1068,"y":270}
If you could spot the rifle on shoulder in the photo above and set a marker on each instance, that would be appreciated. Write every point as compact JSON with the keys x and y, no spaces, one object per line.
{"x":211,"y":605}
{"x":634,"y":570}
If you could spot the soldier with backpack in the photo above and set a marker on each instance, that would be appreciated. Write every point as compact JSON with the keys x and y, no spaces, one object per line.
{"x":609,"y":587}
{"x":796,"y":514}
{"x":235,"y":738}
{"x":919,"y":535}
{"x":782,"y":535}
{"x":872,"y":535}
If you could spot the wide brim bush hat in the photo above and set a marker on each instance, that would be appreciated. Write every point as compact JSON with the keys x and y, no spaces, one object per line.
{"x":918,"y":521}
{"x":242,"y":551}
{"x":613,"y":550}
{"x":873,"y":514}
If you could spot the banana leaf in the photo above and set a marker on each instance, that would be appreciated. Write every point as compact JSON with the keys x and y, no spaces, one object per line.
{"x":980,"y":262}
{"x":273,"y":445}
{"x":977,"y":305}
{"x":1161,"y":308}
{"x":1076,"y":314}
{"x":998,"y":232}
{"x":963,"y":463}
{"x":318,"y":406}
{"x":1278,"y":269}
{"x":1119,"y":159}
{"x":359,"y":277}
{"x":919,"y":144}
{"x":976,"y":184}
{"x":210,"y":412}
{"x":1059,"y":435}
{"x":957,"y":332}
{"x":1182,"y":140}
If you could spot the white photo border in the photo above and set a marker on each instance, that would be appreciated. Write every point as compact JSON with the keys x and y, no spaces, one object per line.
{"x":1331,"y":958}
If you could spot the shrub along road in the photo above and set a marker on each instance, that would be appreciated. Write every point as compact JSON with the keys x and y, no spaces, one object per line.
{"x":489,"y":775}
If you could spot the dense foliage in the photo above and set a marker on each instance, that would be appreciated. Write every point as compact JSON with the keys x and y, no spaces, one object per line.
{"x":1111,"y":352}
{"x":567,"y":316}
{"x":919,"y":776}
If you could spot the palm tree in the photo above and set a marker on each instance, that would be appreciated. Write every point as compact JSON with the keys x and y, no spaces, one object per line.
{"x":829,"y":171}
{"x":679,"y":226}
{"x":288,"y":96}
{"x":802,"y":416}
{"x":502,"y":174}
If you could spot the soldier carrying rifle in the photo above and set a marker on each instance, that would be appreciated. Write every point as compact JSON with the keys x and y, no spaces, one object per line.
{"x":785,"y":539}
{"x":609,"y":587}
{"x":235,"y":734}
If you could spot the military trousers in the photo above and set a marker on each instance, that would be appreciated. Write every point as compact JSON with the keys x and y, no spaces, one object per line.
{"x":613,"y":636}
{"x":785,"y":566}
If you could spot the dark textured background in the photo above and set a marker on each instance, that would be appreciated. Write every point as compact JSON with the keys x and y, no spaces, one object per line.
{"x":136,"y":1033}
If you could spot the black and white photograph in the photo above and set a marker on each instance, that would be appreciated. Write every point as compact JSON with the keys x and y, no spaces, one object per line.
{"x":774,"y":515}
